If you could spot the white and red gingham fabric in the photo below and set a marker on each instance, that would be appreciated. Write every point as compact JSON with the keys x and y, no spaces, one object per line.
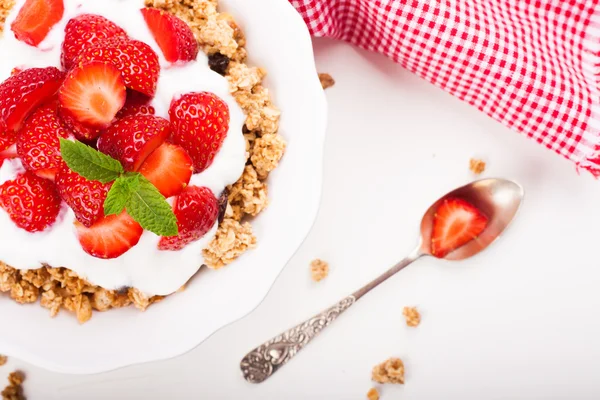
{"x":532,"y":65}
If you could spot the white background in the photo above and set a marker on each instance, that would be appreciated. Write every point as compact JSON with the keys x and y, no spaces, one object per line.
{"x":518,"y":322}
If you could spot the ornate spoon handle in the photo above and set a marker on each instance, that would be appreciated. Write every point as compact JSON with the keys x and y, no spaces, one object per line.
{"x":262,"y":362}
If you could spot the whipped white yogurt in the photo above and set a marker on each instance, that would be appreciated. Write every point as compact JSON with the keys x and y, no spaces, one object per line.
{"x":144,"y":267}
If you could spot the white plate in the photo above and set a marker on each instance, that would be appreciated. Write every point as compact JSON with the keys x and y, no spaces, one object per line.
{"x":279,"y":41}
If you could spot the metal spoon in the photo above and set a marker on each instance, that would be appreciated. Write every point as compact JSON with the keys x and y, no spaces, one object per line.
{"x":498,"y":199}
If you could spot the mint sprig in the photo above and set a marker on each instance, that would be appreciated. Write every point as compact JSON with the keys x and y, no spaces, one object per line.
{"x":131,"y":191}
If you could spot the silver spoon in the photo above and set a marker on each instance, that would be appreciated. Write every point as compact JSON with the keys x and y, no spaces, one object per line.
{"x":498,"y":199}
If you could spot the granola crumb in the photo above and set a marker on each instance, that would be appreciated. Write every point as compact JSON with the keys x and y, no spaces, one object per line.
{"x":319,"y":270}
{"x":266,"y":153}
{"x":230,"y":242}
{"x":3,"y":360}
{"x":413,"y":318}
{"x":477,"y":166}
{"x":389,"y":371}
{"x":326,"y":81}
{"x":14,"y":390}
{"x":373,"y":394}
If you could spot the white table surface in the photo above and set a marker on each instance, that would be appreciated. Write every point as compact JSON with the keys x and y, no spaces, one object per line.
{"x":518,"y":322}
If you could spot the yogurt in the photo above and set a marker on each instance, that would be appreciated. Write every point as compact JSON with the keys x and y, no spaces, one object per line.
{"x":144,"y":267}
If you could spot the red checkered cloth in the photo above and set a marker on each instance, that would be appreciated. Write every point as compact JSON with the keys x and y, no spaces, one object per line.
{"x":532,"y":65}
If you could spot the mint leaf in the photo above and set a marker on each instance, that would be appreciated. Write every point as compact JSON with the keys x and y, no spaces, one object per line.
{"x":89,"y":163}
{"x":119,"y":194}
{"x":151,"y":210}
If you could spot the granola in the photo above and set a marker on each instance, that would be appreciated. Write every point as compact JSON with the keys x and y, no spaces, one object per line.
{"x":319,"y":270}
{"x":14,"y":390}
{"x":476,"y":166}
{"x":327,"y":81}
{"x":373,"y":394}
{"x":222,"y":39}
{"x":3,"y":360}
{"x":389,"y":371}
{"x":413,"y":318}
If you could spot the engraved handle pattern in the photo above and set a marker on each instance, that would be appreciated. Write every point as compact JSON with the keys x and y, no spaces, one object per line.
{"x":265,"y":360}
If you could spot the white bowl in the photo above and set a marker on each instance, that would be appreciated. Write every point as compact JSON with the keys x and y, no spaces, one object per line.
{"x":279,"y":41}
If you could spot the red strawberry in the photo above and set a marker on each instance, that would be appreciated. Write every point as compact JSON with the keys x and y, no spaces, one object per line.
{"x":24,"y":92}
{"x":83,"y":31}
{"x":30,"y":201}
{"x":455,"y":223}
{"x":93,"y":94}
{"x":110,"y":237}
{"x":136,"y":60}
{"x":35,"y":19}
{"x":136,"y":104}
{"x":197,"y":210}
{"x":132,"y":139}
{"x":174,"y":37}
{"x":6,"y":138}
{"x":10,"y":152}
{"x":38,"y":144}
{"x":80,"y":131}
{"x":169,"y":168}
{"x":200,"y":122}
{"x":85,"y":197}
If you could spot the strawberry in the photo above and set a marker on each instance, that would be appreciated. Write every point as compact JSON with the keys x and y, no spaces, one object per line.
{"x":136,"y":104}
{"x":85,"y":197}
{"x":38,"y":144}
{"x":93,"y":94}
{"x":169,"y":168}
{"x":455,"y":223}
{"x":197,"y":210}
{"x":200,"y":122}
{"x":132,"y":139}
{"x":6,"y":138}
{"x":83,"y":31}
{"x":24,"y":92}
{"x":30,"y":201}
{"x":80,"y":131}
{"x":173,"y":36}
{"x":110,"y":237}
{"x":136,"y":60}
{"x":35,"y":19}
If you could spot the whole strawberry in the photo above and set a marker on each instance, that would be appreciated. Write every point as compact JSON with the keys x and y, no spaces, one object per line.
{"x":85,"y":197}
{"x":197,"y":210}
{"x":31,"y":202}
{"x":6,"y":138}
{"x":200,"y":122}
{"x":83,"y":31}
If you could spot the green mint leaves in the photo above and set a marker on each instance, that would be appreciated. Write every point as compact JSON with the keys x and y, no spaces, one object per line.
{"x":130,"y":191}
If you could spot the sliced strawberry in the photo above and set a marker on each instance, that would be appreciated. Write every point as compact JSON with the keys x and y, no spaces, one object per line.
{"x":136,"y":60}
{"x":136,"y":104}
{"x":31,"y":202}
{"x":38,"y":144}
{"x":10,"y":152}
{"x":83,"y":31}
{"x":35,"y":19}
{"x":169,"y":168}
{"x":82,"y":132}
{"x":455,"y":223}
{"x":200,"y":122}
{"x":24,"y":92}
{"x":93,"y":94}
{"x":110,"y":237}
{"x":173,"y":36}
{"x":131,"y":140}
{"x":85,"y":197}
{"x":197,"y":210}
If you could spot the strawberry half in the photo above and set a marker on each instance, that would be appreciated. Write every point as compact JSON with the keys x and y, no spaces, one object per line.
{"x":136,"y":60}
{"x":173,"y":36}
{"x":83,"y":31}
{"x":35,"y":19}
{"x":110,"y":237}
{"x":24,"y":92}
{"x":169,"y":168}
{"x":136,"y":104}
{"x":455,"y":223}
{"x":197,"y":210}
{"x":38,"y":144}
{"x":80,"y":131}
{"x":132,"y":139}
{"x":31,"y":202}
{"x":200,"y":123}
{"x":93,"y":94}
{"x":85,"y":197}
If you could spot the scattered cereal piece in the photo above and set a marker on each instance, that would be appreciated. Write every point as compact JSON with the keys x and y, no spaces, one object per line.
{"x":413,"y":318}
{"x":3,"y":360}
{"x":477,"y":166}
{"x":14,"y":390}
{"x":326,"y":81}
{"x":319,"y":270}
{"x":390,"y":371}
{"x":373,"y":394}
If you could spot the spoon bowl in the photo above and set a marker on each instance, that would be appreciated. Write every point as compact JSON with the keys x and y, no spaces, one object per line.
{"x":498,"y":199}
